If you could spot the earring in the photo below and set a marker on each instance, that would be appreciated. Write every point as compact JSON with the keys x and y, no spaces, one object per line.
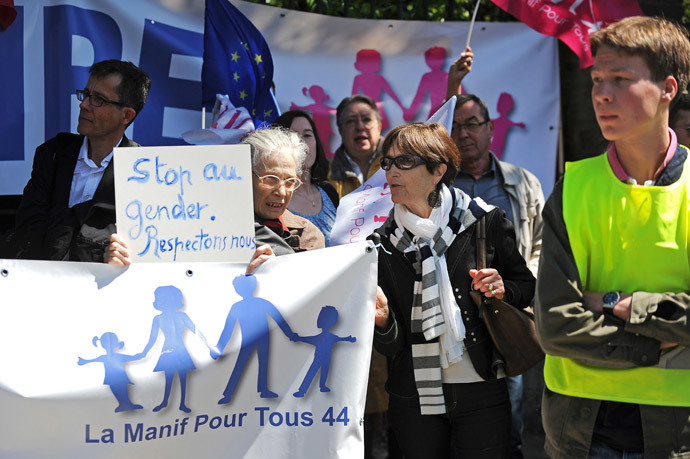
{"x":434,"y":199}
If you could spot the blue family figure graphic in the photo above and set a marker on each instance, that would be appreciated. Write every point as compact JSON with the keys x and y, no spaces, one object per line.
{"x":252,"y":314}
{"x":115,"y":373}
{"x":174,"y":356}
{"x":324,"y":343}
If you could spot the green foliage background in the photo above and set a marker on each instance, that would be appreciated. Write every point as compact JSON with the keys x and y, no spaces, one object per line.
{"x":447,"y":10}
{"x":432,"y":10}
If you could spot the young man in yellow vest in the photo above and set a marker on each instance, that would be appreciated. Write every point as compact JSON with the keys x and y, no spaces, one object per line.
{"x":612,"y":305}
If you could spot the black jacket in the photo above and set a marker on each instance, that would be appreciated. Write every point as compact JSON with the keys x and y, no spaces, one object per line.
{"x":46,"y":228}
{"x":396,"y":279}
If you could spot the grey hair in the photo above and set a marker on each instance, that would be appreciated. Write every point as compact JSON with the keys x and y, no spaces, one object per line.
{"x":274,"y":140}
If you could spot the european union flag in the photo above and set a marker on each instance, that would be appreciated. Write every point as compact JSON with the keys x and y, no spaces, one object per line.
{"x":237,"y":62}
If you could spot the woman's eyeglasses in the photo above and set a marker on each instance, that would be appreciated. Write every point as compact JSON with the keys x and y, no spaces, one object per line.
{"x":272,"y":181}
{"x":402,"y":162}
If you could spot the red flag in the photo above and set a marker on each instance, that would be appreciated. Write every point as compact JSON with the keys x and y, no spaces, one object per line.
{"x":571,"y":21}
{"x":7,"y":13}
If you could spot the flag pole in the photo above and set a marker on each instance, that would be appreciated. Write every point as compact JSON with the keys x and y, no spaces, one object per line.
{"x":474,"y":18}
{"x":203,"y":117}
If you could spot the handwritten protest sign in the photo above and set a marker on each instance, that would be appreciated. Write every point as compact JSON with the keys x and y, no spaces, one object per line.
{"x":188,"y":203}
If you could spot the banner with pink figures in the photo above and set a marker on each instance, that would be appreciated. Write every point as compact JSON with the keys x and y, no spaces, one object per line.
{"x":403,"y":66}
{"x":318,"y":60}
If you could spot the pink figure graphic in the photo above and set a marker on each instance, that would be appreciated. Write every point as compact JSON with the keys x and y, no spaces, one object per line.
{"x":372,"y":84}
{"x":320,"y":113}
{"x":504,"y":106}
{"x":433,"y":82}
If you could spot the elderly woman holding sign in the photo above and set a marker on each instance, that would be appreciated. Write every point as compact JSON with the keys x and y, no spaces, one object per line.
{"x":446,"y":389}
{"x":277,"y":157}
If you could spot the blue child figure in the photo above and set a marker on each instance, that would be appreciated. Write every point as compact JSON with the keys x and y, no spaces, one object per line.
{"x":251,"y":313}
{"x":115,"y":373}
{"x":174,"y":356}
{"x":324,"y":343}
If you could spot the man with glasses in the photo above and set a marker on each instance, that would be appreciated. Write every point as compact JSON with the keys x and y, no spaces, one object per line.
{"x":513,"y":189}
{"x":67,"y":209}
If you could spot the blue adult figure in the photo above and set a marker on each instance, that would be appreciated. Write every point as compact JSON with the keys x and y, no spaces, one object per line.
{"x":251,"y":314}
{"x":174,"y":356}
{"x":115,"y":373}
{"x":324,"y":343}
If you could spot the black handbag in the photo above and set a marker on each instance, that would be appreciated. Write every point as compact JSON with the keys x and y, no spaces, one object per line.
{"x":511,"y":329}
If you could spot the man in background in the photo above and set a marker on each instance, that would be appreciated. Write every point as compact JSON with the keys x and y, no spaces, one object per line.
{"x":516,"y":191}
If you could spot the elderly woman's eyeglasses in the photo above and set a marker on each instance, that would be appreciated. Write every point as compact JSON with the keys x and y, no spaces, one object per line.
{"x":272,"y":181}
{"x":94,"y":99}
{"x":402,"y":162}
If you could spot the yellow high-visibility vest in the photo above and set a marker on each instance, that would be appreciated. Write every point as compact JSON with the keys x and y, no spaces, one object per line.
{"x":627,"y":238}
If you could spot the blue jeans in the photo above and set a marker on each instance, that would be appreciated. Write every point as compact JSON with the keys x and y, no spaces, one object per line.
{"x":600,"y":450}
{"x":476,"y":424}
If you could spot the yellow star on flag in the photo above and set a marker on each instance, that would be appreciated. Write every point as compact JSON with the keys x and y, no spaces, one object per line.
{"x":257,"y":58}
{"x":235,"y":57}
{"x":253,"y":112}
{"x":267,"y":113}
{"x":243,"y":95}
{"x":246,"y":46}
{"x":235,"y":76}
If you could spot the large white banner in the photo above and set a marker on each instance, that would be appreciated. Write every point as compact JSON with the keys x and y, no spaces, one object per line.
{"x":99,"y":361}
{"x":318,"y":61}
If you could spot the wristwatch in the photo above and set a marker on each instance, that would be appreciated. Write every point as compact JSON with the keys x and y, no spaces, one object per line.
{"x":610,"y":299}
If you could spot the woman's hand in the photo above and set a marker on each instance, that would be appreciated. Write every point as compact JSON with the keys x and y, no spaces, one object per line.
{"x":489,"y":282}
{"x":117,"y":253}
{"x":261,"y":255}
{"x":382,"y":317}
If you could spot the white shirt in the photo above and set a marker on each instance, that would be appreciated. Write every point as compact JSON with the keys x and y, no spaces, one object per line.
{"x":87,"y":175}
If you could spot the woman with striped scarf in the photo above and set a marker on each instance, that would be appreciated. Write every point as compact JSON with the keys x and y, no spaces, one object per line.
{"x":446,"y":381}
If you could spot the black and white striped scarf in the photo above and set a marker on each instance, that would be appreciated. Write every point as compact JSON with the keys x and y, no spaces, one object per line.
{"x":427,"y":321}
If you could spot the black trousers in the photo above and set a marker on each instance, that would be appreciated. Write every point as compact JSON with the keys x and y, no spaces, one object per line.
{"x":476,"y":424}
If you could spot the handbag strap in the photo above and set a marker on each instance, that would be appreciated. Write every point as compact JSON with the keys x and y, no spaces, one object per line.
{"x":481,"y":243}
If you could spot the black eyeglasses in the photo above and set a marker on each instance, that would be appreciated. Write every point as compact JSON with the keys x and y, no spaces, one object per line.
{"x":402,"y":162}
{"x":94,"y":99}
{"x":471,"y":126}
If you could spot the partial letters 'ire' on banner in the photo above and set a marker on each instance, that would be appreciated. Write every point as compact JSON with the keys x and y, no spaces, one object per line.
{"x":571,"y":21}
{"x":182,"y":360}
